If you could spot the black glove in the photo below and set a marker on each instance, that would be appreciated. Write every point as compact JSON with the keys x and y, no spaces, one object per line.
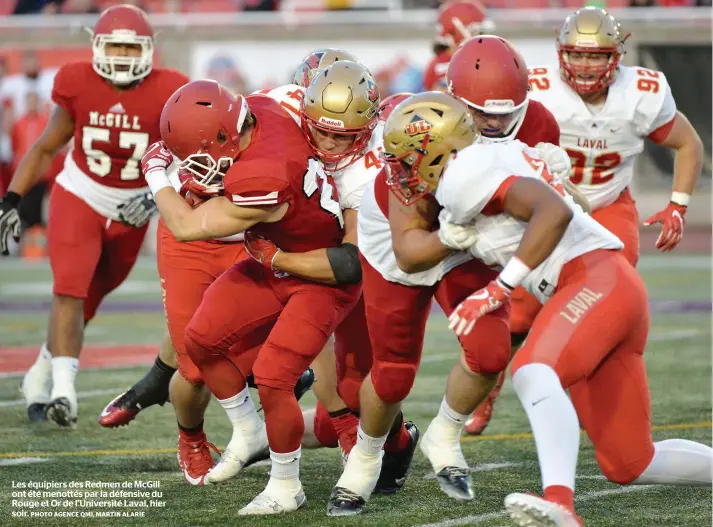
{"x":137,"y":211}
{"x":9,"y":220}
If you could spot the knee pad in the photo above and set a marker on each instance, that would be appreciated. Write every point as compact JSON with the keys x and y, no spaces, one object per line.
{"x":197,"y":352}
{"x":393,"y":380}
{"x":618,"y":471}
{"x":487,"y":348}
{"x":189,"y":371}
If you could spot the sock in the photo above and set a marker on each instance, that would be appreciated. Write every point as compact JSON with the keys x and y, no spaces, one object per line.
{"x":678,"y":462}
{"x":241,"y":412}
{"x":44,"y":357}
{"x":368,"y":445}
{"x":153,"y":387}
{"x":285,"y":472}
{"x":553,"y":421}
{"x":64,"y":371}
{"x":560,"y":494}
{"x":398,"y":438}
{"x":363,"y":467}
{"x":442,"y":439}
{"x":191,"y":434}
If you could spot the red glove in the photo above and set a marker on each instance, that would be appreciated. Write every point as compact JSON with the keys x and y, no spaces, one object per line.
{"x":157,"y":157}
{"x":673,"y":218}
{"x":480,"y":303}
{"x":260,"y":249}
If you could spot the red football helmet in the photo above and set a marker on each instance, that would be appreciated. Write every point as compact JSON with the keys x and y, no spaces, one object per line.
{"x":460,"y":20}
{"x":489,"y":74}
{"x":391,"y":102}
{"x":201,"y":124}
{"x":123,"y":24}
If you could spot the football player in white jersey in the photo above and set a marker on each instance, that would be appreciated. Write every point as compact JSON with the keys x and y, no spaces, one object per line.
{"x":605,"y":111}
{"x":502,"y":202}
{"x":338,"y":114}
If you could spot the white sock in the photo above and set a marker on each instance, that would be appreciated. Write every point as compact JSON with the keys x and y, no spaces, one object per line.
{"x":241,"y":412}
{"x":285,"y":472}
{"x":370,"y":446}
{"x":44,"y":358}
{"x":678,"y":462}
{"x":450,"y":421}
{"x":441,"y":443}
{"x":64,"y":371}
{"x":553,"y":421}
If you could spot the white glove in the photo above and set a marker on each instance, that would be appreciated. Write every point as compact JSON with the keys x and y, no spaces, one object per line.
{"x":457,"y":237}
{"x":557,"y":159}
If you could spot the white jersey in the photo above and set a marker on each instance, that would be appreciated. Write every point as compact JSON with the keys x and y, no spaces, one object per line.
{"x":471,"y":191}
{"x":603,"y":142}
{"x":375,"y":233}
{"x":102,"y":199}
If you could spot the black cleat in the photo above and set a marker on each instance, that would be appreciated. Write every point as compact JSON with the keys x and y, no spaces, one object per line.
{"x":456,"y":483}
{"x":344,"y":502}
{"x":36,"y":412}
{"x":394,"y":468}
{"x":304,"y":383}
{"x":59,"y":411}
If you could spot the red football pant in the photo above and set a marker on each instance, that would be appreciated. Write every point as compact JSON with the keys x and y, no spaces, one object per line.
{"x":622,"y":219}
{"x":593,"y":333}
{"x":353,"y":354}
{"x":287,"y":319}
{"x":396,"y":315}
{"x":186,"y":270}
{"x":90,"y":255}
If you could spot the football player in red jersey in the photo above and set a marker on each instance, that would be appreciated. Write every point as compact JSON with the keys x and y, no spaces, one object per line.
{"x":490,"y":76}
{"x":100,"y":206}
{"x":252,"y":318}
{"x":457,"y":21}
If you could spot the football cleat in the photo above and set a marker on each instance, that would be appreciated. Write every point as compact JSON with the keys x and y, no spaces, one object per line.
{"x":449,"y":464}
{"x":344,"y":502}
{"x":63,"y":411}
{"x":478,"y":421}
{"x":240,"y":453}
{"x":528,"y":510}
{"x":120,"y":411}
{"x":36,"y":387}
{"x":394,"y":468}
{"x":272,"y":502}
{"x":456,"y":483}
{"x":195,"y":459}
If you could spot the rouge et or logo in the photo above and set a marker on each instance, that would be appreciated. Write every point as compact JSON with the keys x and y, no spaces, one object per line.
{"x":417,"y":125}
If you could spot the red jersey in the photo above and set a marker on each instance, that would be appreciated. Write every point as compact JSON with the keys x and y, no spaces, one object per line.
{"x":539,"y":126}
{"x":113,"y":127}
{"x":279,"y":167}
{"x":435,"y":74}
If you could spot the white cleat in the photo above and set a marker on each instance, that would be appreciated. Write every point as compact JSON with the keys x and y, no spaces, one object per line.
{"x":240,"y":453}
{"x":527,"y":510}
{"x":36,"y":387}
{"x":273,"y":502}
{"x":62,"y":408}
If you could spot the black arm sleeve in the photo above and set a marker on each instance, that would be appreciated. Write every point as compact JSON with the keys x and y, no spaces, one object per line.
{"x":344,"y":261}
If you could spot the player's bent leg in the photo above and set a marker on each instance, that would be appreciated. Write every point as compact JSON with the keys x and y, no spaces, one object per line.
{"x":396,"y":317}
{"x":150,"y":390}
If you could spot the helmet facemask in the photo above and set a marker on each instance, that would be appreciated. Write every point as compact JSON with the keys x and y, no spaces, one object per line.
{"x":499,"y":108}
{"x":589,"y":78}
{"x":334,"y":161}
{"x":122,"y":70}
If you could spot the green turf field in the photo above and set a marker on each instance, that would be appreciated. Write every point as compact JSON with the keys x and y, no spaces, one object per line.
{"x":503,"y":461}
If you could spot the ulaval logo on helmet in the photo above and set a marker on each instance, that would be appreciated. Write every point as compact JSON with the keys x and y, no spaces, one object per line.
{"x":417,"y":125}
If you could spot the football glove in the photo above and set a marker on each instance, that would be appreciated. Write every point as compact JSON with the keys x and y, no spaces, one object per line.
{"x":456,"y":237}
{"x":557,"y":159}
{"x":673,"y":219}
{"x":137,"y":211}
{"x":260,"y":249}
{"x":480,"y":303}
{"x":9,"y":220}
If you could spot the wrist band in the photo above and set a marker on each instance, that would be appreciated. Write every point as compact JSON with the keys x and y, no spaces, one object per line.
{"x":514,"y":272}
{"x":13,"y":198}
{"x":680,"y":198}
{"x":157,"y":179}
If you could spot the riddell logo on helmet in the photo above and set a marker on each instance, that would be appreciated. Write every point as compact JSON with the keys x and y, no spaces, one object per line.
{"x":418,"y":125}
{"x":587,"y":43}
{"x":331,"y":122}
{"x":499,"y":105}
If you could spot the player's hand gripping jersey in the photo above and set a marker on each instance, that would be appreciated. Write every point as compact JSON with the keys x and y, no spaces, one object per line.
{"x":603,"y":142}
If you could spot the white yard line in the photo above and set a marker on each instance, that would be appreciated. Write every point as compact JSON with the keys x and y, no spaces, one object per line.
{"x":587,"y":496}
{"x":22,"y":461}
{"x":80,"y":395}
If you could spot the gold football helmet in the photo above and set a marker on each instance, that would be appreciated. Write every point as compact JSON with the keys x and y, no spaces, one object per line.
{"x":420,"y":136}
{"x":590,"y":30}
{"x":316,"y":61}
{"x":341,"y":103}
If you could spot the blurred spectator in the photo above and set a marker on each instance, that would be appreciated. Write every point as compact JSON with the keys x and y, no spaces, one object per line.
{"x":81,"y":7}
{"x":223,"y":69}
{"x":261,"y":5}
{"x":28,"y":127}
{"x":32,"y":7}
{"x":14,"y":88}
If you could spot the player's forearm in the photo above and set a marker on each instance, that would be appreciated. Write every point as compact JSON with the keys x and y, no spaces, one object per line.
{"x":311,"y":265}
{"x":687,"y":166}
{"x":30,"y":170}
{"x":545,"y":229}
{"x":418,"y":250}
